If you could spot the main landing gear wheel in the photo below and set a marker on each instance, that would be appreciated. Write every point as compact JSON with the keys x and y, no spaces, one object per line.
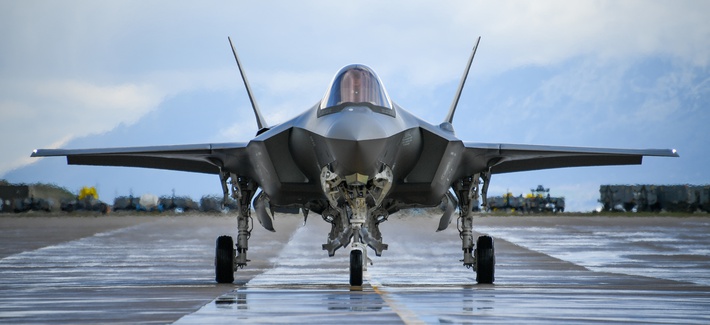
{"x":485,"y":260}
{"x":356,"y":267}
{"x":224,"y":260}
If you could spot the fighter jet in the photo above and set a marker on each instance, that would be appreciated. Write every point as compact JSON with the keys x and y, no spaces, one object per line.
{"x":354,"y":158}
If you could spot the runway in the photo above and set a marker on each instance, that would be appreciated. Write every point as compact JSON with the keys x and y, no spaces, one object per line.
{"x":159,"y":269}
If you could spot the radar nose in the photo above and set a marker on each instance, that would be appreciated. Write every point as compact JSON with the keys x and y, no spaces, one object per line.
{"x":356,"y":125}
{"x":357,"y":145}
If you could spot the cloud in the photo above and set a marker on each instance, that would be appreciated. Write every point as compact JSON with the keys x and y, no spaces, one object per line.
{"x":103,"y":104}
{"x":421,"y":47}
{"x":548,"y":32}
{"x":39,"y":113}
{"x":72,"y":69}
{"x":44,"y":110}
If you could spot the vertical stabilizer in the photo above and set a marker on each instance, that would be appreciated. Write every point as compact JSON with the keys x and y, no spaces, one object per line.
{"x":261,"y":123}
{"x":450,"y":116}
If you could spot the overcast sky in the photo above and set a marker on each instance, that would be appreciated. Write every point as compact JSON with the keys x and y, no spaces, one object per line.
{"x":623,"y":74}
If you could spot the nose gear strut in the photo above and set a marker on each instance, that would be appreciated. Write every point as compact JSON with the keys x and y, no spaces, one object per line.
{"x":355,"y":211}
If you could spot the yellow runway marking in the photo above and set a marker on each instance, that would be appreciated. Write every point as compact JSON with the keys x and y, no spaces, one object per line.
{"x":407,"y":316}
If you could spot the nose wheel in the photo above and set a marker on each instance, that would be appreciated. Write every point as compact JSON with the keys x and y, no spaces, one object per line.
{"x":356,"y":267}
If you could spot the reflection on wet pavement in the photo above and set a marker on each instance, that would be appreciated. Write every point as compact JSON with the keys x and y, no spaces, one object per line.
{"x":677,"y":251}
{"x":419,"y":281}
{"x":301,"y":305}
{"x":548,"y":270}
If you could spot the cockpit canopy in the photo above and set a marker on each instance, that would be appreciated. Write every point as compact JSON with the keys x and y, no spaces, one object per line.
{"x":356,"y":83}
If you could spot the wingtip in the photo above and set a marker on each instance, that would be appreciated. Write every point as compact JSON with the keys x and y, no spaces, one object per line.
{"x":41,"y":153}
{"x":36,"y":153}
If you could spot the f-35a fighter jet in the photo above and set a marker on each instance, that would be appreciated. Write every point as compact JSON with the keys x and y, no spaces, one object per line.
{"x":354,"y":158}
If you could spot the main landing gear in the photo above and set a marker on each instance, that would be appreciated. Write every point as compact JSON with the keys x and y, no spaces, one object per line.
{"x":355,"y":212}
{"x":485,"y":260}
{"x":482,"y":259}
{"x":228,"y":259}
{"x":224,"y":260}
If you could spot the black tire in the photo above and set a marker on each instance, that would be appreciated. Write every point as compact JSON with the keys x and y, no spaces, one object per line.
{"x":485,"y":260}
{"x":356,"y":267}
{"x":224,"y":260}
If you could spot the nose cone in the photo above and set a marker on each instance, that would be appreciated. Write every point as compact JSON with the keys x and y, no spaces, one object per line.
{"x":357,"y":144}
{"x":356,"y":124}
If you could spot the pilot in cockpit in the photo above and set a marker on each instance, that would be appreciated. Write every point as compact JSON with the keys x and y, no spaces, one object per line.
{"x":353,"y":86}
{"x":356,"y":84}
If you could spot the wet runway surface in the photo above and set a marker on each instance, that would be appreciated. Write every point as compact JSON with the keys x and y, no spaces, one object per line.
{"x":548,"y":269}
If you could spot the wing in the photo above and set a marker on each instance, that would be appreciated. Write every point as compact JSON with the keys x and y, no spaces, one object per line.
{"x":507,"y":158}
{"x":200,"y":158}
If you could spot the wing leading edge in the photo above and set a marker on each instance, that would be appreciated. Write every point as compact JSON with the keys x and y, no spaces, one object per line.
{"x":200,"y":158}
{"x":507,"y":158}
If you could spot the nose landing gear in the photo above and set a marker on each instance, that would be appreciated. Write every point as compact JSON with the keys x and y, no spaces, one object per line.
{"x":355,"y":214}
